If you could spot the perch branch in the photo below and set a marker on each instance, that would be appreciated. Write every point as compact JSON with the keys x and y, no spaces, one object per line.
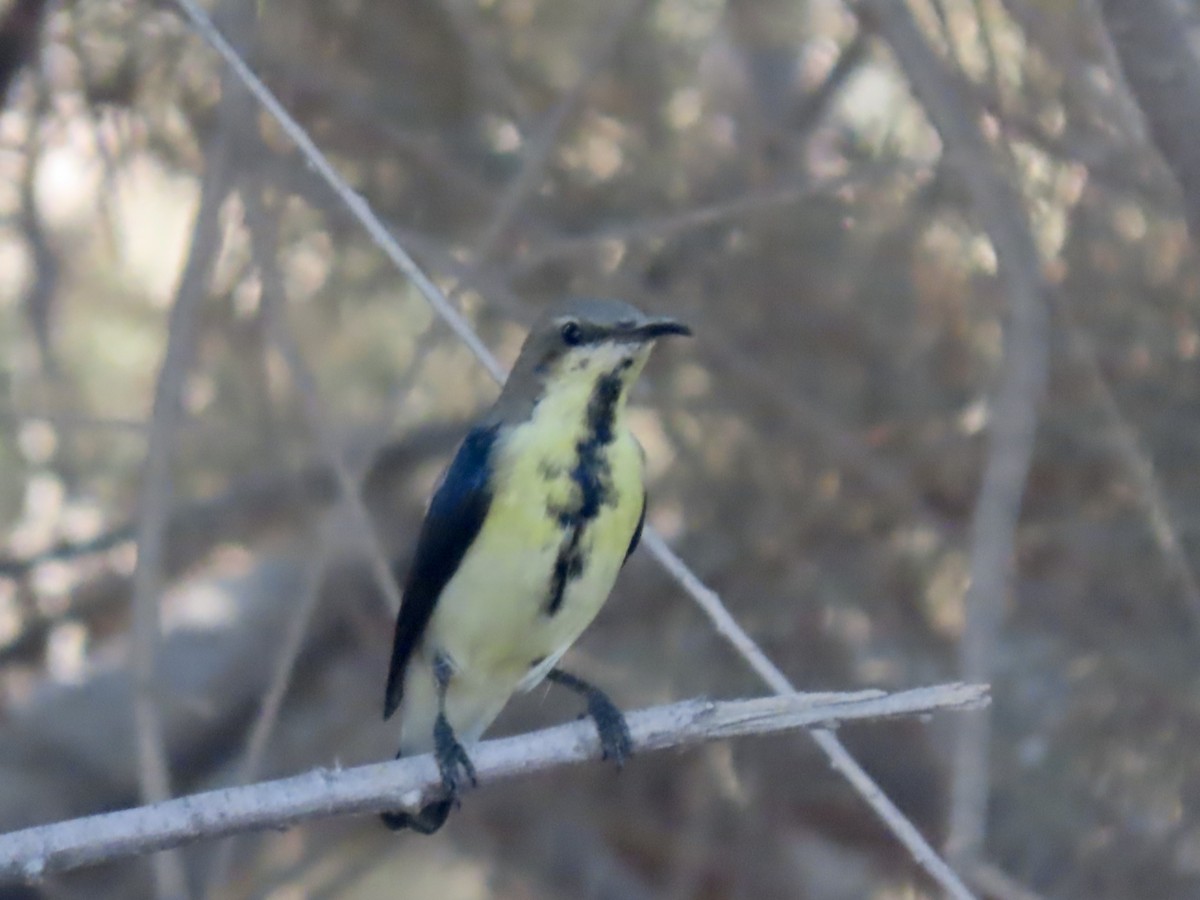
{"x":32,"y":853}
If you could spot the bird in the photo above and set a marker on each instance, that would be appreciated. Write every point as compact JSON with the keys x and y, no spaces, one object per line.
{"x":522,"y":541}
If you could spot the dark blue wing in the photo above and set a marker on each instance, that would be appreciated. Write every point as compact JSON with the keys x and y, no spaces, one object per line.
{"x":456,"y":514}
{"x":637,"y":532}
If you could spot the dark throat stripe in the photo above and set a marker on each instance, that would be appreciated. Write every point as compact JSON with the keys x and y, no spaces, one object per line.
{"x":592,"y":475}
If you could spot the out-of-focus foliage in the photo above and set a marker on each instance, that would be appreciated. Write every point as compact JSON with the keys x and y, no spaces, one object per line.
{"x":755,"y":167}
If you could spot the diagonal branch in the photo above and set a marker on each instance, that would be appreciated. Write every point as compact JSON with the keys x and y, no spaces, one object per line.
{"x":306,"y":385}
{"x":354,"y":202}
{"x":839,"y":757}
{"x":34,"y":852}
{"x":1153,"y":44}
{"x":1138,"y":461}
{"x":263,"y":224}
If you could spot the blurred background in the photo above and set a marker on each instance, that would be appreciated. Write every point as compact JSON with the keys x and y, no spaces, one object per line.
{"x":192,"y":327}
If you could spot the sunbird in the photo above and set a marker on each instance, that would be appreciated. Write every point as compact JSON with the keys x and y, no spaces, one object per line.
{"x":524,"y":536}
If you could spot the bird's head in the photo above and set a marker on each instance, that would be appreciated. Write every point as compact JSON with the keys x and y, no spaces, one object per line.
{"x":576,"y":344}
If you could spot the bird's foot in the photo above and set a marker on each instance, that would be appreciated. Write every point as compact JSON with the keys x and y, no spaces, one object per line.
{"x":456,"y":767}
{"x":428,"y":819}
{"x":616,"y":743}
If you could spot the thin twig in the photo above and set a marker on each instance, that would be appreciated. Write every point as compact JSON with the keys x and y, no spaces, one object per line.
{"x":298,"y":623}
{"x":793,"y":190}
{"x":841,"y":759}
{"x":537,"y":155}
{"x":156,"y":487}
{"x":71,"y":421}
{"x":1139,"y":463}
{"x":1108,"y":98}
{"x":263,"y":225}
{"x":110,"y":182}
{"x":489,"y":72}
{"x":812,"y":108}
{"x":39,"y":297}
{"x":850,"y":449}
{"x":306,"y":385}
{"x":1014,"y":407}
{"x":539,"y":149}
{"x":1152,"y":41}
{"x":354,"y":202}
{"x":34,"y":852}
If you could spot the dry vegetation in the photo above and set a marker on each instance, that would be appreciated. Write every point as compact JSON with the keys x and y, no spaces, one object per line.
{"x":876,"y":259}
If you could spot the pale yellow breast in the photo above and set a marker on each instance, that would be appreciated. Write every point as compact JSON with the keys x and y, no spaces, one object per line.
{"x":491,"y":618}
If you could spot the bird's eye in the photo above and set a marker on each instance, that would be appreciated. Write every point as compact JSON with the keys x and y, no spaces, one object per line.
{"x":572,"y":334}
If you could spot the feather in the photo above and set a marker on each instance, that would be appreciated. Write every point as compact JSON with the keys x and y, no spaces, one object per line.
{"x":456,"y":513}
{"x":637,"y":531}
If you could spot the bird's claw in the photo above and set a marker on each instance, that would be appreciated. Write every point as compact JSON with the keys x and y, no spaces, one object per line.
{"x":616,"y":743}
{"x":455,"y":766}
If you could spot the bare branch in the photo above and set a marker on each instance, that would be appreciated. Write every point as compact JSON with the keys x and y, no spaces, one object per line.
{"x":306,"y":384}
{"x":20,"y":30}
{"x":814,"y":106}
{"x":273,"y":700}
{"x":1138,"y":461}
{"x":263,"y":225}
{"x":281,"y":679}
{"x":1151,"y":39}
{"x":1014,"y":407}
{"x":839,"y":757}
{"x":355,"y":203}
{"x":33,"y":852}
{"x":490,"y":73}
{"x":791,"y":191}
{"x":156,"y":489}
{"x":39,"y":298}
{"x":534,"y":160}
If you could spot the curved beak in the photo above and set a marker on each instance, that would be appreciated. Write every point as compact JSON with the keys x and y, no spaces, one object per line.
{"x":652,"y":329}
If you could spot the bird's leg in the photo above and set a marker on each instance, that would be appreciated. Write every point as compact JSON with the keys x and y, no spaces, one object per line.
{"x":615,"y":740}
{"x":454,"y":764}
